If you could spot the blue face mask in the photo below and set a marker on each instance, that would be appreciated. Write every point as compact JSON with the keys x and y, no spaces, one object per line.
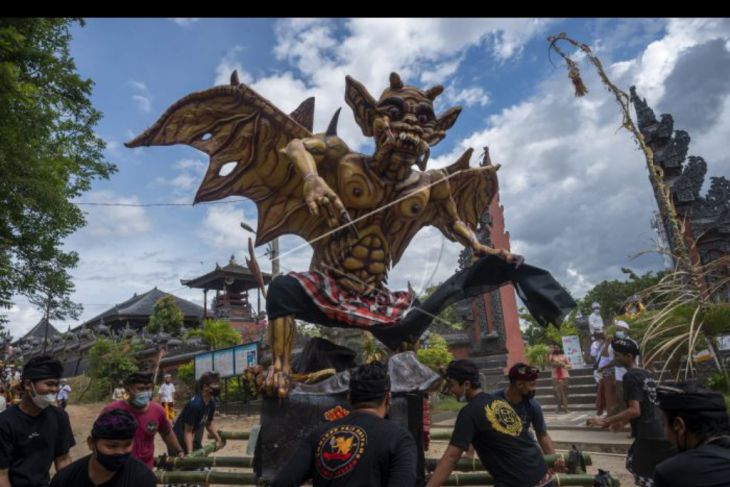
{"x":621,"y":334}
{"x":141,"y":399}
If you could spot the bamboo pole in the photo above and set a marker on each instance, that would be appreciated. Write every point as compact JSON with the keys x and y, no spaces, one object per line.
{"x":238,"y":478}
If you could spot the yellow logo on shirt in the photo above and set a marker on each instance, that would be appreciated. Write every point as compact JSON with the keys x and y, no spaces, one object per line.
{"x":503,"y":418}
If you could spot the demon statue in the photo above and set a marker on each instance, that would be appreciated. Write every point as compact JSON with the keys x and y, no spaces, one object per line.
{"x":358,"y":212}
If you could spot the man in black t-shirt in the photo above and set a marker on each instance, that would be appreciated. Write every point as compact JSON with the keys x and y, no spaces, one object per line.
{"x":520,"y":394}
{"x":197,"y":413}
{"x":696,"y":422}
{"x":650,"y":447}
{"x":112,"y":463}
{"x":500,"y":437}
{"x":360,"y":450}
{"x":35,"y":433}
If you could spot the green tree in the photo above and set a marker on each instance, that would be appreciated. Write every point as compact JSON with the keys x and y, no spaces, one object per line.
{"x":537,"y":355}
{"x":49,"y":152}
{"x":216,"y":334}
{"x":186,"y":375}
{"x":166,"y":316}
{"x":534,"y":333}
{"x":109,"y":362}
{"x":435,"y":354}
{"x":52,"y":295}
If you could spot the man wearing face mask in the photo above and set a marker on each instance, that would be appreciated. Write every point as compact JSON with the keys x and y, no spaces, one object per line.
{"x":521,"y":396}
{"x":622,"y":331}
{"x":197,"y":412}
{"x":650,"y":446}
{"x":150,"y":417}
{"x":696,"y":423}
{"x":35,"y":433}
{"x":499,"y":434}
{"x":111,"y":464}
{"x":363,"y":449}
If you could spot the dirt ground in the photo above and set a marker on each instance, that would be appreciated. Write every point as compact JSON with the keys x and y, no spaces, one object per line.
{"x":82,"y":417}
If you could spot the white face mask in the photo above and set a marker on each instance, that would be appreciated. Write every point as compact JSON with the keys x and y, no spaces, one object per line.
{"x":620,"y":333}
{"x":42,"y":400}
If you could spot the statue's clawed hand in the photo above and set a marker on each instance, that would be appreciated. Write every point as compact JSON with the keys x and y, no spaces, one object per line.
{"x":320,"y":198}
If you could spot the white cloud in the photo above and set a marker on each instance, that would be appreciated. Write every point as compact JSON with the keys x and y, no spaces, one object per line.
{"x":183,"y":181}
{"x":467,"y":96}
{"x":123,"y":221}
{"x":222,"y":227}
{"x":141,"y":96}
{"x":660,"y":57}
{"x":193,"y":165}
{"x":322,"y":57}
{"x":228,"y":65}
{"x":22,"y":317}
{"x":143,"y":103}
{"x":185,"y":22}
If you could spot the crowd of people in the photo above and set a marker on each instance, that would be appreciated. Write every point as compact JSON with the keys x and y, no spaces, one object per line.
{"x":680,"y":431}
{"x":35,"y":431}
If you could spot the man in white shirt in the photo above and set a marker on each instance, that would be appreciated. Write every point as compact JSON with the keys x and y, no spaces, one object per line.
{"x":595,"y":322}
{"x":62,"y":396}
{"x":602,"y":353}
{"x":622,"y":331}
{"x":167,"y":397}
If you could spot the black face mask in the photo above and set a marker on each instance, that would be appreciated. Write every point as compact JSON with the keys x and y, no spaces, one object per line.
{"x":529,"y":395}
{"x":112,"y":462}
{"x":215,"y":391}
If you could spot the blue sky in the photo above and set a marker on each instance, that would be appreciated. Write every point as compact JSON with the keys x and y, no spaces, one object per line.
{"x":575,"y":191}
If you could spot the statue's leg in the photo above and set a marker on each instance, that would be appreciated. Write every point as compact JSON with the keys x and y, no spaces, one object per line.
{"x":281,"y":339}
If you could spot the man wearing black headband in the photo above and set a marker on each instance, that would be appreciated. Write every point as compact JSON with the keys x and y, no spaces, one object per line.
{"x":650,"y":446}
{"x":360,"y":450}
{"x":521,"y":396}
{"x":696,"y":423}
{"x":111,"y":464}
{"x":35,"y":433}
{"x":499,"y":434}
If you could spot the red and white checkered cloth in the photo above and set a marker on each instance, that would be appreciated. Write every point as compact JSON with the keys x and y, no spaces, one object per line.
{"x":384,"y":307}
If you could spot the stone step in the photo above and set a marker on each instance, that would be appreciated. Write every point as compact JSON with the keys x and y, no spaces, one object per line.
{"x":585,"y":371}
{"x":572,"y":389}
{"x":573,"y":381}
{"x":573,"y":400}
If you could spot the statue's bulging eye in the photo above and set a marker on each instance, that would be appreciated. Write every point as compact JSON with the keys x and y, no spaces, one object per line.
{"x":395,"y":113}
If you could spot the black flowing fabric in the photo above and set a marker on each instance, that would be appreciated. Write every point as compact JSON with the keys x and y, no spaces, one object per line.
{"x":541,"y":294}
{"x":320,"y":354}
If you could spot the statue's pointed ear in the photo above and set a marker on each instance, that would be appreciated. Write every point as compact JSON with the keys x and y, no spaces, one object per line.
{"x":444,"y":121}
{"x":447,"y":119}
{"x":362,"y":104}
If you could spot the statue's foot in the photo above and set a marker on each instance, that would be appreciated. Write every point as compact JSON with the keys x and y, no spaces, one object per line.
{"x":276,"y":383}
{"x":409,"y":346}
{"x":313,"y":377}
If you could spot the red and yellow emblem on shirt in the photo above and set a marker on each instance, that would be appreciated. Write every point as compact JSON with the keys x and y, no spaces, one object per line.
{"x":336,"y":412}
{"x":339,"y":450}
{"x":503,"y":418}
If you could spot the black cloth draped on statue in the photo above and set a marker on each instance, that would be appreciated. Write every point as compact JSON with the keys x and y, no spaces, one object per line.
{"x":543,"y":296}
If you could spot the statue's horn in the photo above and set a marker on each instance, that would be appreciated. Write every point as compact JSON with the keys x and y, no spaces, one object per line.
{"x":332,"y":128}
{"x":432,"y":93}
{"x":395,"y":81}
{"x":234,"y":78}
